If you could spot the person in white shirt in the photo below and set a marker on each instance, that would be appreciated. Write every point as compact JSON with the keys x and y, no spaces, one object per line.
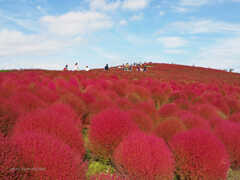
{"x":87,"y":68}
{"x":76,"y":67}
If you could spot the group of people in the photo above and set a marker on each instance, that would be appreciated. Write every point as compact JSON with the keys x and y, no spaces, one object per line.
{"x":125,"y":67}
{"x":133,"y":67}
{"x":75,"y":68}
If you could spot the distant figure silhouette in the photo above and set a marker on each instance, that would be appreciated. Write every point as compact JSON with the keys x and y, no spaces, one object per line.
{"x":106,"y":67}
{"x":65,"y":68}
{"x":144,"y":68}
{"x":87,"y":68}
{"x":76,"y":67}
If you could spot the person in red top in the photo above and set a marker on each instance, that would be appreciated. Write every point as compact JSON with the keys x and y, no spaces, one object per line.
{"x":65,"y":68}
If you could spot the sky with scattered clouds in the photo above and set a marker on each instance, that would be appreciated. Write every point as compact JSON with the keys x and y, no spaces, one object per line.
{"x":51,"y":33}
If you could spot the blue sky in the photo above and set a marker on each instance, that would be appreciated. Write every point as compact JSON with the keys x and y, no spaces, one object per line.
{"x":51,"y":33}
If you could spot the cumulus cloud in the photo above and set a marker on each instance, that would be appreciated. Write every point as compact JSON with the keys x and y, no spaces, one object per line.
{"x":104,"y":5}
{"x":205,"y":26}
{"x":108,"y":5}
{"x":135,"y":4}
{"x":74,"y":23}
{"x":224,"y":54}
{"x":193,"y":2}
{"x":136,"y":17}
{"x":174,"y":51}
{"x":162,"y":13}
{"x":172,"y":42}
{"x":201,"y":26}
{"x":123,"y":22}
{"x":16,"y":43}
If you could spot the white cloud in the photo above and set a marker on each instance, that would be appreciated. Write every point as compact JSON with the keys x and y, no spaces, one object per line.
{"x":224,"y":54}
{"x":74,"y":23}
{"x":180,"y":9}
{"x":161,"y":13}
{"x":123,"y":22}
{"x":16,"y":43}
{"x":172,"y":42}
{"x":174,"y":51}
{"x":136,"y":17}
{"x":193,"y":2}
{"x":135,"y":4}
{"x":200,"y":26}
{"x":111,"y":58}
{"x":104,"y":5}
{"x":205,"y":26}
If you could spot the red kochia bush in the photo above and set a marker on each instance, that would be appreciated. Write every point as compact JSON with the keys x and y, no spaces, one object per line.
{"x":107,"y":130}
{"x":58,"y":121}
{"x":235,"y":117}
{"x":9,"y":160}
{"x":149,"y":108}
{"x":191,"y":120}
{"x":54,"y":159}
{"x":229,"y":133}
{"x":143,"y":157}
{"x":199,"y":155}
{"x":143,"y":121}
{"x":210,"y":113}
{"x":77,"y":104}
{"x":168,"y":110}
{"x":169,"y":127}
{"x":22,"y":102}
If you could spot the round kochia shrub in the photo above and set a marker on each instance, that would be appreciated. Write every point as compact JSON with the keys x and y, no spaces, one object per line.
{"x":191,"y":120}
{"x":168,"y":110}
{"x":142,"y":157}
{"x":9,"y":160}
{"x":107,"y":130}
{"x":53,"y":158}
{"x":143,"y":121}
{"x":169,"y":127}
{"x":235,"y":117}
{"x":229,"y":133}
{"x":199,"y":155}
{"x":58,"y":121}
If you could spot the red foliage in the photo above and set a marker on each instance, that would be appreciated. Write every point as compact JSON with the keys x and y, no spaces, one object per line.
{"x":76,"y":103}
{"x":169,"y":127}
{"x":9,"y":160}
{"x":7,"y":117}
{"x":168,"y":110}
{"x":229,"y":133}
{"x":124,"y":103}
{"x":210,"y":113}
{"x":46,"y":94}
{"x":58,"y":121}
{"x":149,"y":108}
{"x":199,"y":155}
{"x":53,"y":158}
{"x":107,"y":129}
{"x":23,"y":102}
{"x":142,"y":157}
{"x":235,"y":117}
{"x":191,"y":120}
{"x":143,"y":121}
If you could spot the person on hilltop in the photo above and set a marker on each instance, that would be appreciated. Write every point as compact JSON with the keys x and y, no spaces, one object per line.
{"x":138,"y":68}
{"x":87,"y":68}
{"x":127,"y":66}
{"x":106,"y":68}
{"x":144,"y":68}
{"x":76,"y":67}
{"x":66,"y":67}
